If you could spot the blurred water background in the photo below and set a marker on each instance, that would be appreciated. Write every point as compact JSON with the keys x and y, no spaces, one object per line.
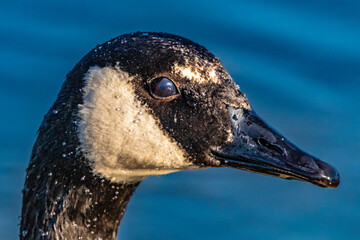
{"x":297,"y":61}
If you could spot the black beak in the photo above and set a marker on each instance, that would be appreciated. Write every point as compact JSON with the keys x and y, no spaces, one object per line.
{"x":256,"y":147}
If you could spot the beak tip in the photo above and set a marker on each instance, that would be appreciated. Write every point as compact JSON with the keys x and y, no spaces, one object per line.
{"x":334,"y":182}
{"x":331,"y":177}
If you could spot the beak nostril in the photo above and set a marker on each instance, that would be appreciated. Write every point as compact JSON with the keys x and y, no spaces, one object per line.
{"x":270,"y":146}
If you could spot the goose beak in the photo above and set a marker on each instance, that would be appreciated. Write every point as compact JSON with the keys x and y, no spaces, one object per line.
{"x":258,"y":148}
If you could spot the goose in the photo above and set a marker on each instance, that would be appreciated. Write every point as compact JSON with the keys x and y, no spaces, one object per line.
{"x":144,"y":104}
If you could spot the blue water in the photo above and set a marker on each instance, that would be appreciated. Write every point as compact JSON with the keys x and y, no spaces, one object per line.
{"x":298,"y":62}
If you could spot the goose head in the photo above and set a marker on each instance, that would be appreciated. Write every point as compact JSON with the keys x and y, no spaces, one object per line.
{"x":138,"y":105}
{"x":155,"y":103}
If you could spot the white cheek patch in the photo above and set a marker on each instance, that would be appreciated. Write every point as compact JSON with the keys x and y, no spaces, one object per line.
{"x":120,"y":138}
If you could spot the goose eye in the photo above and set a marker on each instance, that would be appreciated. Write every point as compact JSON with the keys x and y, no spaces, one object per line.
{"x":163,"y":87}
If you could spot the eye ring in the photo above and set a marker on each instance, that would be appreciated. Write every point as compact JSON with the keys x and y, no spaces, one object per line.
{"x":163,"y":88}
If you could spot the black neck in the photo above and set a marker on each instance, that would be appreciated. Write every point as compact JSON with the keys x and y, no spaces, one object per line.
{"x":62,"y":198}
{"x":56,"y":207}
